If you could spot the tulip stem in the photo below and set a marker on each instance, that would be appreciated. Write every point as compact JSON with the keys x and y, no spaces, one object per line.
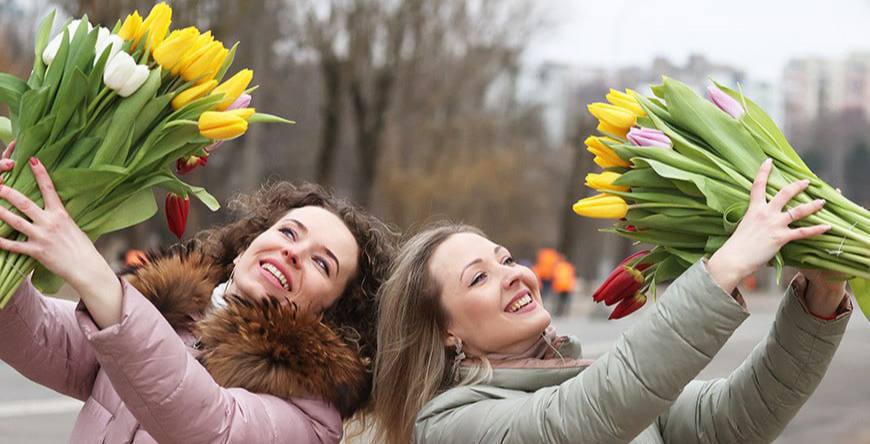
{"x":97,"y":100}
{"x":94,"y":115}
{"x":828,"y":265}
{"x":665,"y":205}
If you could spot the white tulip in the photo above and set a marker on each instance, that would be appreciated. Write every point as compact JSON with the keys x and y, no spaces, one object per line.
{"x":106,"y":39}
{"x":123,"y":75}
{"x":74,"y":25}
{"x":140,"y":74}
{"x":53,"y":46}
{"x":50,"y":51}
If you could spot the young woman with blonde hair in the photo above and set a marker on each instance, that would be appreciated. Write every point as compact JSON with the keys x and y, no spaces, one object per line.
{"x":467,"y":354}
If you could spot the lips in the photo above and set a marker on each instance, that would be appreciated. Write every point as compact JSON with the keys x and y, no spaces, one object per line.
{"x":519,"y":302}
{"x":278,"y":274}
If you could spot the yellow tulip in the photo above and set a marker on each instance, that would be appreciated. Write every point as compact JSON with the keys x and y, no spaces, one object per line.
{"x":131,"y":26}
{"x":192,"y":93}
{"x":602,"y":206}
{"x":242,"y":113}
{"x":197,"y":48}
{"x":607,"y":128}
{"x":603,"y":152}
{"x":224,"y":125}
{"x":612,"y":115}
{"x":170,"y":53}
{"x":603,"y":162}
{"x":233,"y":88}
{"x":626,"y":101}
{"x":156,"y":24}
{"x":604,"y":181}
{"x":217,"y":62}
{"x":202,"y":67}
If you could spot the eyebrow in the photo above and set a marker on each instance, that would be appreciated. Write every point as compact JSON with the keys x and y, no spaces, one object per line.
{"x":329,"y":252}
{"x":478,"y":260}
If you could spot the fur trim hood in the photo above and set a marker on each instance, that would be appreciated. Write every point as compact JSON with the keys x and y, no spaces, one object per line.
{"x":262,"y":346}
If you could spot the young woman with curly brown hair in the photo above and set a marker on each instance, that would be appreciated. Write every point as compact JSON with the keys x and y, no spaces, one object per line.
{"x":262,"y":330}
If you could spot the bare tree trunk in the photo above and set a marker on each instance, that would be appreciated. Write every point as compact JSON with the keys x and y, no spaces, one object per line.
{"x":370,"y":117}
{"x":574,"y":190}
{"x":331,"y":112}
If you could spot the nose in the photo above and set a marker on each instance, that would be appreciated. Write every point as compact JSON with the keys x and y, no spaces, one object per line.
{"x":511,"y":278}
{"x":291,"y":256}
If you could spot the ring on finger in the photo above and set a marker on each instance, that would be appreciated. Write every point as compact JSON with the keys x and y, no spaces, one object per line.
{"x":790,"y":216}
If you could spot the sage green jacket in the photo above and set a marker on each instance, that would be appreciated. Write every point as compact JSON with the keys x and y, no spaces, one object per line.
{"x":642,"y":390}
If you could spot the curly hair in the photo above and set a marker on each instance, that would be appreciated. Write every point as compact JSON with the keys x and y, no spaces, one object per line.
{"x":354,"y":314}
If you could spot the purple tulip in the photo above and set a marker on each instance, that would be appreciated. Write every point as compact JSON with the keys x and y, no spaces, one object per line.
{"x":648,"y":137}
{"x":725,"y":102}
{"x":242,"y":102}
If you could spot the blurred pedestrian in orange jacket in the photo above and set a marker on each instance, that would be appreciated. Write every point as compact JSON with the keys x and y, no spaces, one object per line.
{"x":564,"y":283}
{"x":544,"y":268}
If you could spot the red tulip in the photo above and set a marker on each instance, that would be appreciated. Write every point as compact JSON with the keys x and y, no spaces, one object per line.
{"x":190,"y":163}
{"x":623,"y":281}
{"x":176,"y":209}
{"x":628,"y":306}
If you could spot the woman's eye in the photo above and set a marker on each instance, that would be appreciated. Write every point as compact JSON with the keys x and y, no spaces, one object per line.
{"x":477,"y":278}
{"x":508,"y":261}
{"x":288,"y":232}
{"x":323,"y":264}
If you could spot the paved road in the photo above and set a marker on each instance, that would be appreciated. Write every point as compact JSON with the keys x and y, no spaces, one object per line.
{"x":838,"y":413}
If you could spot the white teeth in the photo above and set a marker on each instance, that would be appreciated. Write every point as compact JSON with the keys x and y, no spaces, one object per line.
{"x":277,"y":273}
{"x":520,"y":303}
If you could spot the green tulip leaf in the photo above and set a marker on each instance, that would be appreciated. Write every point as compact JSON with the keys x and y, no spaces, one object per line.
{"x":5,"y":130}
{"x":228,"y":60}
{"x":46,"y":281}
{"x":861,"y":289}
{"x":138,"y":208}
{"x":42,"y":35}
{"x":113,"y":147}
{"x":268,"y":118}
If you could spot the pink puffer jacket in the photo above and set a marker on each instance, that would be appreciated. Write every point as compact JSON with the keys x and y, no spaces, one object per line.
{"x":143,"y":381}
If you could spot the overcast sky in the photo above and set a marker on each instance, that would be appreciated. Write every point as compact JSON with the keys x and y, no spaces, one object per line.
{"x":758,"y":36}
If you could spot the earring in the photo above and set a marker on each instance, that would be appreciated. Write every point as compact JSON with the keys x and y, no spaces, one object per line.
{"x":458,"y":357}
{"x":229,"y":281}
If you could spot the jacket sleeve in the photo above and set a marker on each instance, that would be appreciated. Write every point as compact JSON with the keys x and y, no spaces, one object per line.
{"x":176,"y":400}
{"x":42,"y":341}
{"x":757,"y":400}
{"x":622,"y":392}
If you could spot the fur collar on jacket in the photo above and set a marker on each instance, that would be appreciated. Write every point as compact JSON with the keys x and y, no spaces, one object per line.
{"x":261,"y":346}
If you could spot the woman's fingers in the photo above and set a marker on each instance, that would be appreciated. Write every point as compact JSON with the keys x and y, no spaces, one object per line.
{"x":16,"y":246}
{"x":21,"y":202}
{"x":805,"y":232}
{"x":6,"y":165}
{"x":803,"y":210}
{"x":46,"y":186}
{"x":788,"y":193}
{"x":7,"y":153}
{"x":759,"y":186}
{"x":17,"y":222}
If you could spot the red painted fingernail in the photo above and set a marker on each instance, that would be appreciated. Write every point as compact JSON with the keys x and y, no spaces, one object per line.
{"x":34,"y":161}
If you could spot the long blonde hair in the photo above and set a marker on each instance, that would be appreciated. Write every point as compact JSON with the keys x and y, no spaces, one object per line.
{"x":412,"y":363}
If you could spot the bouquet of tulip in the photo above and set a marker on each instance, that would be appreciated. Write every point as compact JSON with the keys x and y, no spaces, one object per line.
{"x":677,"y":175}
{"x":110,"y":114}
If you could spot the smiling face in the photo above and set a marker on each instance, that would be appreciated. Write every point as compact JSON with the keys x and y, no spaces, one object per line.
{"x":493,"y":304}
{"x":308,"y":256}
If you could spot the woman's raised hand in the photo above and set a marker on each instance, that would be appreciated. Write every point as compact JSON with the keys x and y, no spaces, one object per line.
{"x":55,"y":241}
{"x":763,"y":230}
